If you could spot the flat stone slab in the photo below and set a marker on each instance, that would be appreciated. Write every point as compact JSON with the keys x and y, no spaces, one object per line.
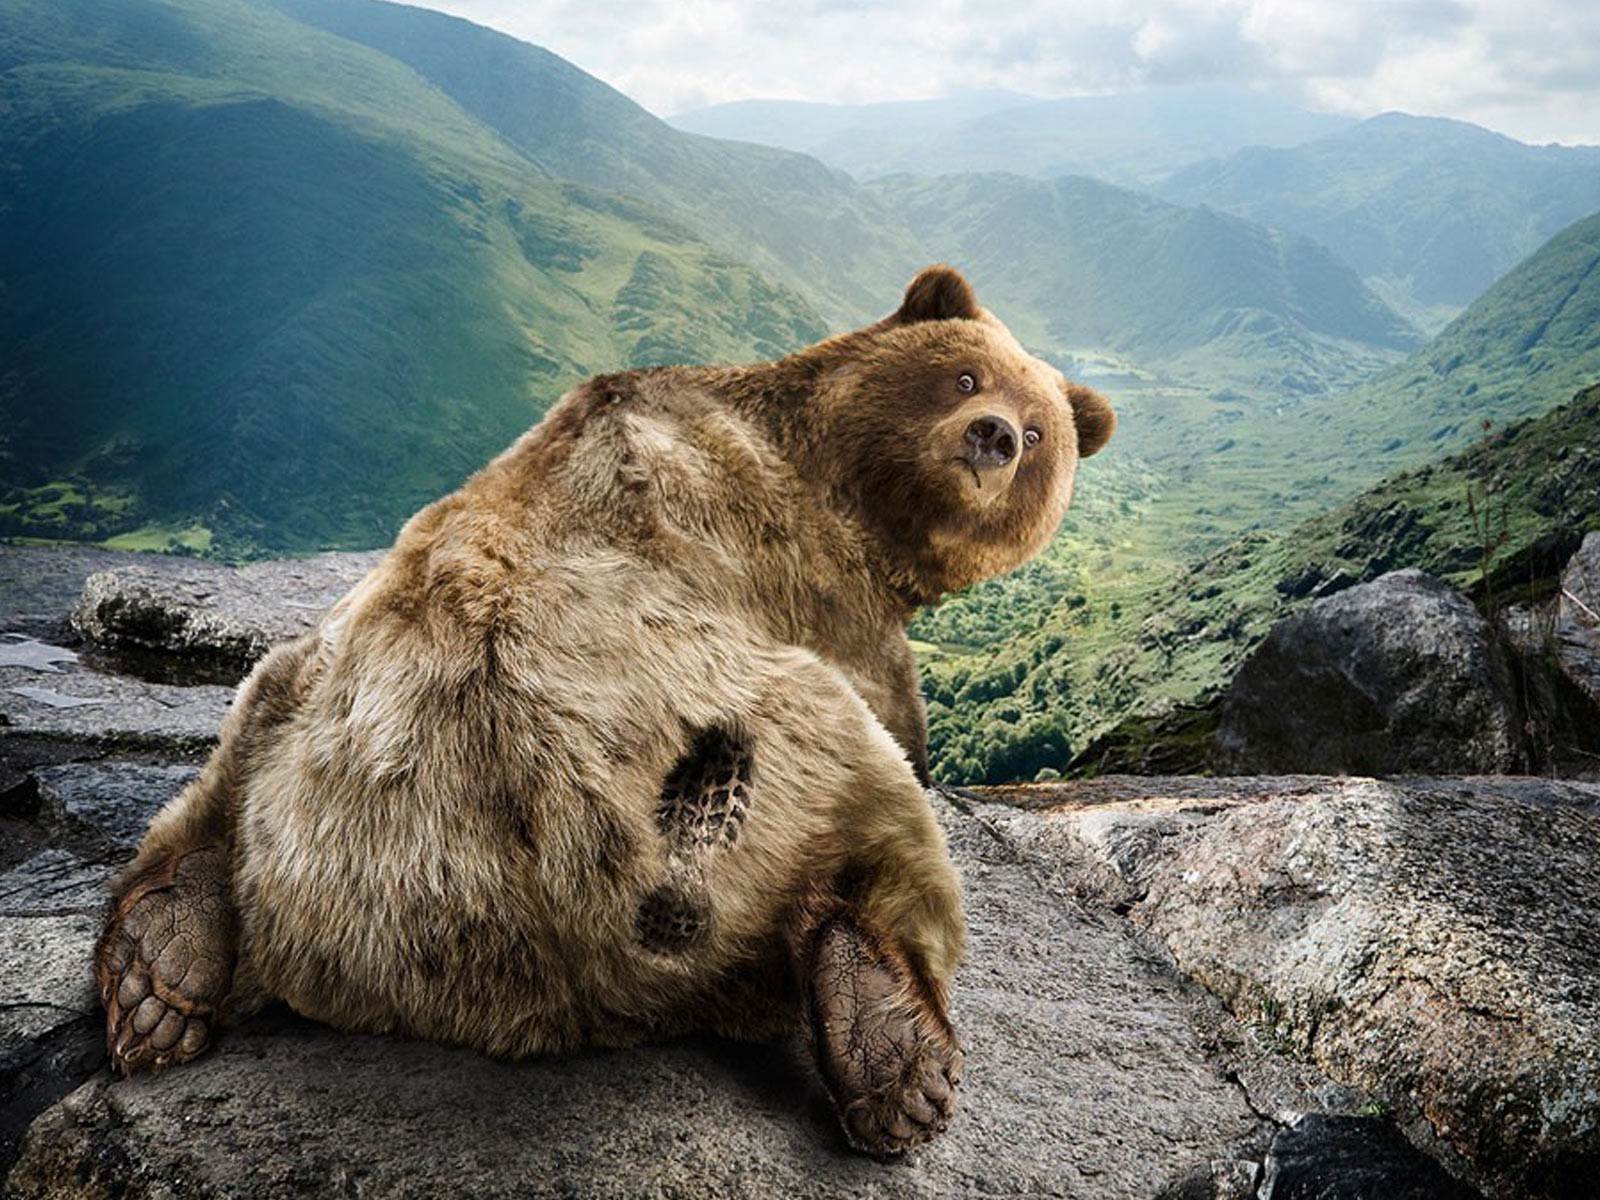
{"x":228,"y":616}
{"x":1085,"y":1077}
{"x":110,"y":710}
{"x":113,"y":801}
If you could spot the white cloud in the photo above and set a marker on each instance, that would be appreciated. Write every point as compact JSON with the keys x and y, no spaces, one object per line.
{"x":1530,"y":69}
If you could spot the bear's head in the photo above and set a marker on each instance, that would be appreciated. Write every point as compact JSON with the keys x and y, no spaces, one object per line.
{"x":952,"y":443}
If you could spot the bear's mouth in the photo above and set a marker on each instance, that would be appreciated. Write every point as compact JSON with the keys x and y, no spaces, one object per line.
{"x":977,"y":478}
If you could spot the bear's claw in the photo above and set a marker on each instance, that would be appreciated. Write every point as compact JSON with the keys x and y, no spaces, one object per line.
{"x":165,"y":961}
{"x":887,"y":1054}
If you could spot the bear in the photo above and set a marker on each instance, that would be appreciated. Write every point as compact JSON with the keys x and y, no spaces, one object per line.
{"x":624,"y":738}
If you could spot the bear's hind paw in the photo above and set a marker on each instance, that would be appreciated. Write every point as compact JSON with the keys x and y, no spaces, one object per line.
{"x":887,"y":1054}
{"x":165,"y":962}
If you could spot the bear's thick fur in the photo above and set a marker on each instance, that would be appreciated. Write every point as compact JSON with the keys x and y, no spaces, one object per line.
{"x":624,"y":737}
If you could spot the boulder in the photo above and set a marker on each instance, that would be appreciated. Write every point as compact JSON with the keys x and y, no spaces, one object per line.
{"x":1577,"y":631}
{"x":1432,"y":942}
{"x":213,"y":615}
{"x":1580,"y":585}
{"x":1400,"y":675}
{"x":42,"y":583}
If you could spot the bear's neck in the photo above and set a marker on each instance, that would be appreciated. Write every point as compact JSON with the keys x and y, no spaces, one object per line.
{"x":774,"y":396}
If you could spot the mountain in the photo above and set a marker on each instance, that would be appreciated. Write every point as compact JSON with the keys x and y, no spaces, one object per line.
{"x":1431,"y":212}
{"x":1092,"y":266}
{"x":1111,"y":628}
{"x":1133,"y":138}
{"x":834,"y":131}
{"x":262,"y":284}
{"x":800,"y":223}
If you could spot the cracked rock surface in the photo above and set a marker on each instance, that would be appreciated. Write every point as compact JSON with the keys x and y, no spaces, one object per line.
{"x":1432,"y":942}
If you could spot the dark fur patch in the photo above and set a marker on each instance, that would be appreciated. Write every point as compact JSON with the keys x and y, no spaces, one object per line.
{"x":706,"y":795}
{"x":671,"y":921}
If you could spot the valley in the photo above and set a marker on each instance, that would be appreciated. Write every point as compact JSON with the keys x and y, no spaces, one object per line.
{"x":274,"y":273}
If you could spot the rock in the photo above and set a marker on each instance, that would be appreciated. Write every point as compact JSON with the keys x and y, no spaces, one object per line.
{"x":1577,"y":631}
{"x":113,"y":801}
{"x":1084,"y":1077}
{"x":1399,"y":675}
{"x":50,"y":1039}
{"x":1324,"y":1157}
{"x":42,"y":583}
{"x":1433,"y":943}
{"x":110,"y":710}
{"x":1580,"y":585}
{"x":211,"y":614}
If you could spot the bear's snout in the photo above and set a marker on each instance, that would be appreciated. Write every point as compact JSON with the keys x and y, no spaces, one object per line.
{"x":991,"y":442}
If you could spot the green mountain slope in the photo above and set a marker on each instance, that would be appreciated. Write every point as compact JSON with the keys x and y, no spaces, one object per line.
{"x":803,"y":224}
{"x":1133,"y":138}
{"x":1131,"y":627}
{"x":1429,"y":211}
{"x":261,"y":282}
{"x":1099,"y":266}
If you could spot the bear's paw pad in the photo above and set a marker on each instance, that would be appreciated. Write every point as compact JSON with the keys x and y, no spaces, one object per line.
{"x":706,"y":795}
{"x":165,"y":962}
{"x":672,"y":921}
{"x":889,"y":1059}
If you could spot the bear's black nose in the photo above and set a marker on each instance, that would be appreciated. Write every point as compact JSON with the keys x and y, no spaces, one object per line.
{"x":991,"y":442}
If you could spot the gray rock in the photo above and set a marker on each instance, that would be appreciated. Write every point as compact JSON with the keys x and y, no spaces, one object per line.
{"x":111,"y":710}
{"x":50,"y":1041}
{"x":1433,"y":944}
{"x":1085,"y":1077}
{"x":1400,"y":675}
{"x":113,"y":801}
{"x":42,"y":583}
{"x":1580,"y":585}
{"x":1577,"y":631}
{"x":1324,"y":1157}
{"x":224,"y":615}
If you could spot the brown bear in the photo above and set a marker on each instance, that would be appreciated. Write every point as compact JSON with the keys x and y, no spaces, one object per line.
{"x":624,"y":738}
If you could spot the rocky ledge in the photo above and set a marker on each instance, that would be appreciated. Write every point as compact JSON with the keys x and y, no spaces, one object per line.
{"x":1262,"y":987}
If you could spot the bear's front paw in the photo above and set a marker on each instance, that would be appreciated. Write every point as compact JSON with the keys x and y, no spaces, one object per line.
{"x":886,"y":1052}
{"x":165,"y":961}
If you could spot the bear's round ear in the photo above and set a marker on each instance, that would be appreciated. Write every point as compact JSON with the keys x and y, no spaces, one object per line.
{"x":1092,"y":414}
{"x":937,"y":294}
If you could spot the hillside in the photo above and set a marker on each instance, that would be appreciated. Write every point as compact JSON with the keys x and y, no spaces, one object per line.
{"x":1131,"y":292}
{"x":1429,"y":211}
{"x":266,"y":289}
{"x":1135,"y":138}
{"x":800,"y":223}
{"x":1114,"y":619}
{"x":1133,"y":678}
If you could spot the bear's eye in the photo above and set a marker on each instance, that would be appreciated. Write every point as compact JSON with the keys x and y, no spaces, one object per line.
{"x":966,"y":382}
{"x":1030,"y":437}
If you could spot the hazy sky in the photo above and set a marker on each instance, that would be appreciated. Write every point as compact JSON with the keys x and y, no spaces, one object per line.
{"x":1530,"y":68}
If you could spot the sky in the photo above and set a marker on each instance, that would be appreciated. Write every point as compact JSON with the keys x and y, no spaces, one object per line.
{"x":1528,"y":68}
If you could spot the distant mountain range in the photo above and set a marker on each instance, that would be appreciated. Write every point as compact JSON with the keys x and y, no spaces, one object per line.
{"x":1431,"y":212}
{"x":1136,"y":138}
